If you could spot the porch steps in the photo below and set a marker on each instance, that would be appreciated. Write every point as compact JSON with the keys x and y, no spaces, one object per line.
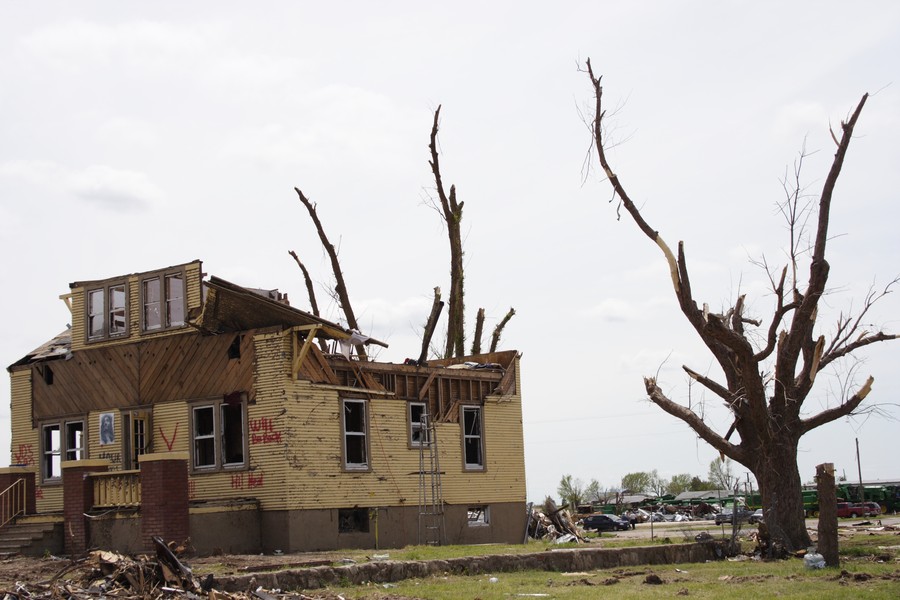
{"x":31,"y":538}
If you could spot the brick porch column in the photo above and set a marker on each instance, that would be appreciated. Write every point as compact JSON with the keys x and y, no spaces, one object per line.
{"x":164,"y":497}
{"x":78,"y":499}
{"x":10,"y":475}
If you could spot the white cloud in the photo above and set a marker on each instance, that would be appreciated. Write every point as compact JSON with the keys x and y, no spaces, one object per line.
{"x":123,"y":190}
{"x":613,"y":309}
{"x":114,"y":188}
{"x":128,"y":130}
{"x":794,"y":121}
{"x":75,"y":45}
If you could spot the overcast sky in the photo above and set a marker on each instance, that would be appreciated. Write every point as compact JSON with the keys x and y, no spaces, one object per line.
{"x":134,"y":137}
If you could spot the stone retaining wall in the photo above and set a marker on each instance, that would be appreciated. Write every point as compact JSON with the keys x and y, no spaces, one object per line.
{"x":568,"y":560}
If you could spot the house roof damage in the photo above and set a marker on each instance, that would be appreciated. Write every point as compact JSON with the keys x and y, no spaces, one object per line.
{"x":230,"y":307}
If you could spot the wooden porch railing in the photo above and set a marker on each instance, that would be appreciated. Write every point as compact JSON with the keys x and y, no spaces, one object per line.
{"x":12,"y":502}
{"x":116,"y":489}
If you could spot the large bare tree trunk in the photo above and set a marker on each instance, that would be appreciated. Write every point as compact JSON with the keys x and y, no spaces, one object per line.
{"x":764,"y":387}
{"x":451,"y":210}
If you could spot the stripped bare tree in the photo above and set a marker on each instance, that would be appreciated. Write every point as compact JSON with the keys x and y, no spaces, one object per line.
{"x":340,"y":287}
{"x":451,"y":212}
{"x":766,"y":384}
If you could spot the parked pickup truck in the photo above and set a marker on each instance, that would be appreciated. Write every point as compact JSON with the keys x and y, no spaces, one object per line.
{"x":850,"y":509}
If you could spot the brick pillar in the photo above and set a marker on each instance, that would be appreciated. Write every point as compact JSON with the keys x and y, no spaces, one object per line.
{"x":164,"y":497}
{"x":78,"y":499}
{"x":10,"y":475}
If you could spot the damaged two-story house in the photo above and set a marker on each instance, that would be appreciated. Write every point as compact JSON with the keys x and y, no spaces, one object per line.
{"x":281,"y":438}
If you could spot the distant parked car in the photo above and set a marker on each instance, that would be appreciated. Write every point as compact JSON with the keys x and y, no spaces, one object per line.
{"x":756,"y":517}
{"x":729,"y":516}
{"x":606,"y":523}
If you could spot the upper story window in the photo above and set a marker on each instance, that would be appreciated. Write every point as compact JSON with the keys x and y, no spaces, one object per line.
{"x":162,"y":301}
{"x":107,"y":312}
{"x":473,"y":442}
{"x":418,"y":424}
{"x":355,"y":434}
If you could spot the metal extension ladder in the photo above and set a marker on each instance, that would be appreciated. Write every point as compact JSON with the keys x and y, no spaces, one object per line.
{"x":431,"y":500}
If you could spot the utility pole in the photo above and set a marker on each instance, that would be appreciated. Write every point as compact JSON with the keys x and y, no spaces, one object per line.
{"x":862,"y":497}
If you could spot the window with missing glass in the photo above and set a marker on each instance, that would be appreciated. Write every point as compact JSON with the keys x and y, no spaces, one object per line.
{"x":418,"y":424}
{"x":162,"y":301}
{"x":107,"y":311}
{"x":219,"y":434}
{"x":473,"y":439}
{"x":355,"y":434}
{"x":60,"y":441}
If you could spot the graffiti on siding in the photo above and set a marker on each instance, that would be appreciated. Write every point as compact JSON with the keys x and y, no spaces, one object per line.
{"x":24,"y":455}
{"x":113,"y":457}
{"x":262,"y":431}
{"x":251,"y":481}
{"x":169,"y":443}
{"x":38,"y":492}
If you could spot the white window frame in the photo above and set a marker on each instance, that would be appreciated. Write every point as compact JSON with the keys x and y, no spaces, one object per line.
{"x":355,"y":434}
{"x":468,"y":437}
{"x":53,"y":457}
{"x":217,"y":435}
{"x":416,"y":425}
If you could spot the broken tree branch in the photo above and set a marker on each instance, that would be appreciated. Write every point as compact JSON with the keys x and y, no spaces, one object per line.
{"x":495,"y":338}
{"x":340,"y":287}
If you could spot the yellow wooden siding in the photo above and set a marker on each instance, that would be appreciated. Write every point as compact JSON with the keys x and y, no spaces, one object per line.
{"x":313,"y":442}
{"x":26,"y":441}
{"x":79,"y":325}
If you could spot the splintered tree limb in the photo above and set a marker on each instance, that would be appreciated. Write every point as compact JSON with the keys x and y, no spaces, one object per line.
{"x":716,"y":388}
{"x":618,"y":187}
{"x":479,"y":329}
{"x":310,"y":290}
{"x":340,"y":286}
{"x":804,"y":320}
{"x":495,"y":338}
{"x":451,"y":210}
{"x":431,"y":324}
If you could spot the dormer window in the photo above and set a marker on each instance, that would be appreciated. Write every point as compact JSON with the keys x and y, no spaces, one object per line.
{"x":162,"y":299}
{"x":107,"y":312}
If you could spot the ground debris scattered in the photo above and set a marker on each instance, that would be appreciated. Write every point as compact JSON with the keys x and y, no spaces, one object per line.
{"x":112,"y":575}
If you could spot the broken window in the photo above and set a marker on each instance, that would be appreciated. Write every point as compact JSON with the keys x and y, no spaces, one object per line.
{"x":151,"y":304}
{"x":353,"y":520}
{"x":117,"y":320}
{"x":354,"y":425}
{"x":51,"y":449}
{"x":479,"y":516}
{"x":418,"y":424}
{"x":473,"y":450}
{"x":75,"y":440}
{"x":232,"y":433}
{"x":107,"y":314}
{"x":219,"y":433}
{"x":96,"y":314}
{"x":163,"y":301}
{"x":174,"y":300}
{"x":59,"y":442}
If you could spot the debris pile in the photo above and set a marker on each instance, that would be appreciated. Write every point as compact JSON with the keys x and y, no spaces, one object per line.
{"x":554,"y":523}
{"x":113,"y":575}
